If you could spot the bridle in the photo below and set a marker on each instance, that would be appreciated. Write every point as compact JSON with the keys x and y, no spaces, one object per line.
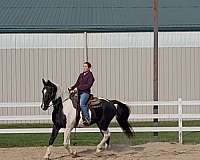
{"x":70,"y":91}
{"x":58,"y":102}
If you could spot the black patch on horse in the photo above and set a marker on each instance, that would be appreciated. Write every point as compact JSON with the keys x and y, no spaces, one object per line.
{"x":58,"y":117}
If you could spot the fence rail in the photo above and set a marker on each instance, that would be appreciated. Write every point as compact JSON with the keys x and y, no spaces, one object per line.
{"x":179,"y":116}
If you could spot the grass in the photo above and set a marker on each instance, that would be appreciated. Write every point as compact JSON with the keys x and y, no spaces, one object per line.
{"x":26,"y":140}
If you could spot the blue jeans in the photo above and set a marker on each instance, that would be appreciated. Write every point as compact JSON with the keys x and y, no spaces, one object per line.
{"x":84,"y":105}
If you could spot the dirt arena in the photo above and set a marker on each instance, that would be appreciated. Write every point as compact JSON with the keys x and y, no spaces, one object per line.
{"x":150,"y":151}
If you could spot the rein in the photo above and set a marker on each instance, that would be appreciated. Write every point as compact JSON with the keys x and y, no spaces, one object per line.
{"x":58,"y":102}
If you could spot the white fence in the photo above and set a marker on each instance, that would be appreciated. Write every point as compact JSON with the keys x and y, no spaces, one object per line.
{"x":179,"y":116}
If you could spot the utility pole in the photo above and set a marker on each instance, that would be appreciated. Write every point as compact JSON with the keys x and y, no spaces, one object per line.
{"x":155,"y":60}
{"x":85,"y":47}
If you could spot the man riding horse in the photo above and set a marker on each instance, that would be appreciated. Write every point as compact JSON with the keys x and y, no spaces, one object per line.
{"x":83,"y":87}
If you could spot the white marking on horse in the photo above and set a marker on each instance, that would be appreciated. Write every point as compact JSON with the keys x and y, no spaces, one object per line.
{"x":45,"y":91}
{"x":42,"y":106}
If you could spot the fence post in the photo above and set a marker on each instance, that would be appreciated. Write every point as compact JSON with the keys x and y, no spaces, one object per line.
{"x":180,"y":121}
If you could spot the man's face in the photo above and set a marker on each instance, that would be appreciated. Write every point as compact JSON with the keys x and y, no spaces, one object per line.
{"x":85,"y":68}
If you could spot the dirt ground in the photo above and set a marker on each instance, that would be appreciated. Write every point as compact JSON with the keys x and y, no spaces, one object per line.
{"x":150,"y":151}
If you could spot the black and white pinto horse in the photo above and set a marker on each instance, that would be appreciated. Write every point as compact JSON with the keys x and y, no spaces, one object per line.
{"x":64,"y":116}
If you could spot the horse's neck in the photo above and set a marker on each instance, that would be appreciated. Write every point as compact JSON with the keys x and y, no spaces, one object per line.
{"x":67,"y":102}
{"x":68,"y":108}
{"x":59,"y":92}
{"x":57,"y":103}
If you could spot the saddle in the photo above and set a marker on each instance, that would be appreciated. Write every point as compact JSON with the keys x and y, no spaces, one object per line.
{"x":94,"y":102}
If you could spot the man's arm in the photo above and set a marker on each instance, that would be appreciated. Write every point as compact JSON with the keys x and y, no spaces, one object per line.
{"x":76,"y":84}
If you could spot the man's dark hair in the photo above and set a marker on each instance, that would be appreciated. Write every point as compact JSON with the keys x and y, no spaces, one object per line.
{"x":88,"y":64}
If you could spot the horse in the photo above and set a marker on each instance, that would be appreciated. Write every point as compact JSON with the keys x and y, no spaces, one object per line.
{"x":64,"y":115}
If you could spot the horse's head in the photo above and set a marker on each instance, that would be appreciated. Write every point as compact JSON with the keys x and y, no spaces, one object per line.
{"x":48,"y":93}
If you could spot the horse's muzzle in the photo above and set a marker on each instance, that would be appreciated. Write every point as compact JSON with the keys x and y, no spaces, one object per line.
{"x":43,"y":107}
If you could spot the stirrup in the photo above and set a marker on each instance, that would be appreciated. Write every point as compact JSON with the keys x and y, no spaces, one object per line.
{"x":86,"y":122}
{"x":82,"y":125}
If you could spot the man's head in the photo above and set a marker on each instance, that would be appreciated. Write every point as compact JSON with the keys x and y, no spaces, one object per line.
{"x":86,"y":66}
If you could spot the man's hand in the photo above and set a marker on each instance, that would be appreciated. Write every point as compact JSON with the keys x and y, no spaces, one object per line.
{"x":69,"y":89}
{"x":72,"y":90}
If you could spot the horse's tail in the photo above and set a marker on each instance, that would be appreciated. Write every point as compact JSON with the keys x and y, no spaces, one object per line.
{"x":122,"y":115}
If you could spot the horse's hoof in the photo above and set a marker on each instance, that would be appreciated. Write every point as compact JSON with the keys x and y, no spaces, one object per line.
{"x":98,"y":154}
{"x":75,"y":153}
{"x":98,"y":150}
{"x":46,"y":157}
{"x":107,"y":147}
{"x":66,"y":146}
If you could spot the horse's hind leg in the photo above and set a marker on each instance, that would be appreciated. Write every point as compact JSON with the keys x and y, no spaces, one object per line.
{"x":108,"y":113}
{"x":106,"y":136}
{"x":107,"y":143}
{"x":54,"y":134}
{"x":103,"y":126}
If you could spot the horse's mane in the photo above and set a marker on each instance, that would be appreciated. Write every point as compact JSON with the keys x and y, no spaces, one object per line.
{"x":61,"y":92}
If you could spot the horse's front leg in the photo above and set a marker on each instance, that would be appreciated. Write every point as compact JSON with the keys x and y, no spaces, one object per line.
{"x":54,"y":134}
{"x":66,"y":142}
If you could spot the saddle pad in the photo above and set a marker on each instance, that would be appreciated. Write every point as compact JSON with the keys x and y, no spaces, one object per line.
{"x":94,"y":101}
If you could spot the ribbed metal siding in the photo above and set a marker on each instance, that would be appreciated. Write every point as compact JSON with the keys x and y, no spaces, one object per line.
{"x":179,"y":73}
{"x":179,"y":76}
{"x":123,"y":74}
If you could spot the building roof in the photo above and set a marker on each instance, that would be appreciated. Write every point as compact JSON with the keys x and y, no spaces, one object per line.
{"x":97,"y":15}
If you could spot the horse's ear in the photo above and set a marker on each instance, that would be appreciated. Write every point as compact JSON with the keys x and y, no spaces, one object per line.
{"x":44,"y":82}
{"x":49,"y":83}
